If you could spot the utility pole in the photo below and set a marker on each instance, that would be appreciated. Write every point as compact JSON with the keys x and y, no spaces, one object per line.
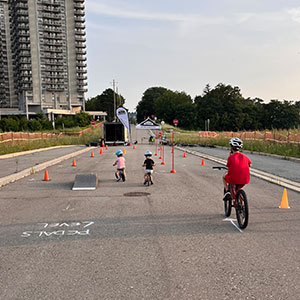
{"x":114,"y":86}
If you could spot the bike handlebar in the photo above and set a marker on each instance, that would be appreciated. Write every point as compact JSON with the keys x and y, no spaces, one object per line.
{"x":220,"y":168}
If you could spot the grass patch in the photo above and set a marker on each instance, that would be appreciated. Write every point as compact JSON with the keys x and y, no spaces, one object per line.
{"x":84,"y":139}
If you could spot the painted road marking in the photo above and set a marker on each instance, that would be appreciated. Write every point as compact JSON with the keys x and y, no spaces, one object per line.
{"x":232,"y":222}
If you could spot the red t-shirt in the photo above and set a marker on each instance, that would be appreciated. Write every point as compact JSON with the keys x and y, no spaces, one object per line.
{"x":238,"y":169}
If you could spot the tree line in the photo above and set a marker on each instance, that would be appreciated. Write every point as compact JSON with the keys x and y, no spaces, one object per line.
{"x":223,"y":108}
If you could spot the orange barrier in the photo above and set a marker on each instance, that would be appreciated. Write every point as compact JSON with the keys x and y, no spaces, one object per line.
{"x":254,"y":135}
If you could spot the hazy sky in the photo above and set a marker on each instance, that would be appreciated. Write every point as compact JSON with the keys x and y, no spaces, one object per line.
{"x":183,"y":45}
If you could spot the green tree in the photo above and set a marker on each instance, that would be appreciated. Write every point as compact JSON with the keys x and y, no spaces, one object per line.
{"x":176,"y":105}
{"x":83,"y":119}
{"x":105,"y":102}
{"x":145,"y":107}
{"x":281,"y":115}
{"x":223,"y":106}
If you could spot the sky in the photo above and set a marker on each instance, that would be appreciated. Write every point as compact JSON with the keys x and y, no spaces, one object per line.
{"x":183,"y":45}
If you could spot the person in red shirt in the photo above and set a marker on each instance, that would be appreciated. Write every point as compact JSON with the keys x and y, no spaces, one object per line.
{"x":238,"y":167}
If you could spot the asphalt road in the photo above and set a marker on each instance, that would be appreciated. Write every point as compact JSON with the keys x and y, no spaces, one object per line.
{"x":127,"y":241}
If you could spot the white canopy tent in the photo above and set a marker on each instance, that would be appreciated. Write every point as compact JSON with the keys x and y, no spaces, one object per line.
{"x":148,"y":124}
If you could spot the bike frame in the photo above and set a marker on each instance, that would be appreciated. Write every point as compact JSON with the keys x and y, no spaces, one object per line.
{"x":234,"y":188}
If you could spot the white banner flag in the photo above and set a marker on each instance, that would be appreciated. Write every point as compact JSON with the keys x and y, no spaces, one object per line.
{"x":122,"y":114}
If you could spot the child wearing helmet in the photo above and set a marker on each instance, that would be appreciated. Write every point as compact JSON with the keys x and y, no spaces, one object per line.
{"x":238,"y":167}
{"x":120,"y":162}
{"x":149,"y":164}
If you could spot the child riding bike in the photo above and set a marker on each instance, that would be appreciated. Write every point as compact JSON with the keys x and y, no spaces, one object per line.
{"x":149,"y":164}
{"x":238,"y":167}
{"x":120,"y":162}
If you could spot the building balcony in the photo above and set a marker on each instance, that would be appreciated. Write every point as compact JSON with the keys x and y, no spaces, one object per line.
{"x":80,"y":38}
{"x":79,"y":32}
{"x":51,"y":2}
{"x":79,"y":5}
{"x":55,"y":37}
{"x":51,"y":9}
{"x":79,"y":19}
{"x":81,"y":71}
{"x":81,"y":58}
{"x":80,"y":51}
{"x":80,"y":45}
{"x":51,"y":16}
{"x":79,"y":12}
{"x":81,"y":64}
{"x":82,"y":90}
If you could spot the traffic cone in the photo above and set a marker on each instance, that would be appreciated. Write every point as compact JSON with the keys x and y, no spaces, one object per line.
{"x":124,"y":151}
{"x":101,"y":151}
{"x":102,"y":144}
{"x":74,"y":163}
{"x":202,"y":162}
{"x":92,"y":154}
{"x":163,"y":163}
{"x":106,"y":147}
{"x":284,"y":201}
{"x":46,"y":176}
{"x":184,"y":154}
{"x":133,"y":147}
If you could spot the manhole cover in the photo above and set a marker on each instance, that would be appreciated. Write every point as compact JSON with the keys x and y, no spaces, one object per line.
{"x":136,"y":194}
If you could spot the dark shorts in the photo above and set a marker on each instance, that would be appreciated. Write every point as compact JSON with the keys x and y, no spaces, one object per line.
{"x":122,"y":169}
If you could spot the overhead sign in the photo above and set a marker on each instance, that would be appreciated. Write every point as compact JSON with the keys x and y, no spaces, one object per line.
{"x":122,"y":115}
{"x":148,"y":124}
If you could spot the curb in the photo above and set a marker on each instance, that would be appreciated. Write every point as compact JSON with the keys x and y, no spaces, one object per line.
{"x":29,"y":171}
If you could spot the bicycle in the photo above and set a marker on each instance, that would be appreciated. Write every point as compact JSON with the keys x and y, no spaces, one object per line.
{"x":238,"y":201}
{"x":121,"y":175}
{"x":148,"y":179}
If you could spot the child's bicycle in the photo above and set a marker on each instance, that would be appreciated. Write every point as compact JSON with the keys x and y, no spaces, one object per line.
{"x":121,"y":175}
{"x":147,"y":180}
{"x":238,"y":201}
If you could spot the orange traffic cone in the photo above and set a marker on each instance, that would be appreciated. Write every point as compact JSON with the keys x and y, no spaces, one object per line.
{"x":124,"y":151}
{"x":106,"y":147}
{"x":133,"y":147}
{"x":284,"y":201}
{"x":74,"y":163}
{"x":46,"y":176}
{"x":202,"y":162}
{"x":102,"y":144}
{"x":184,"y":154}
{"x":101,"y":151}
{"x":92,"y":154}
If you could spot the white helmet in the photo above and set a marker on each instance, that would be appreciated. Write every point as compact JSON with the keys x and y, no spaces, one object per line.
{"x":148,"y":153}
{"x":236,"y":143}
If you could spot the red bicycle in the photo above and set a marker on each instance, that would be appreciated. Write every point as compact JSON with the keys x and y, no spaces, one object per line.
{"x":239,"y":201}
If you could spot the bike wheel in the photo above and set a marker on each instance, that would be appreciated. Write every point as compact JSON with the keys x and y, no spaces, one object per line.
{"x":148,"y":180}
{"x":227,"y":206}
{"x":242,"y":211}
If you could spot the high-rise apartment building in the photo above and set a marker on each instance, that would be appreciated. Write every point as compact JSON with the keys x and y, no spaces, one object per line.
{"x":43,"y":56}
